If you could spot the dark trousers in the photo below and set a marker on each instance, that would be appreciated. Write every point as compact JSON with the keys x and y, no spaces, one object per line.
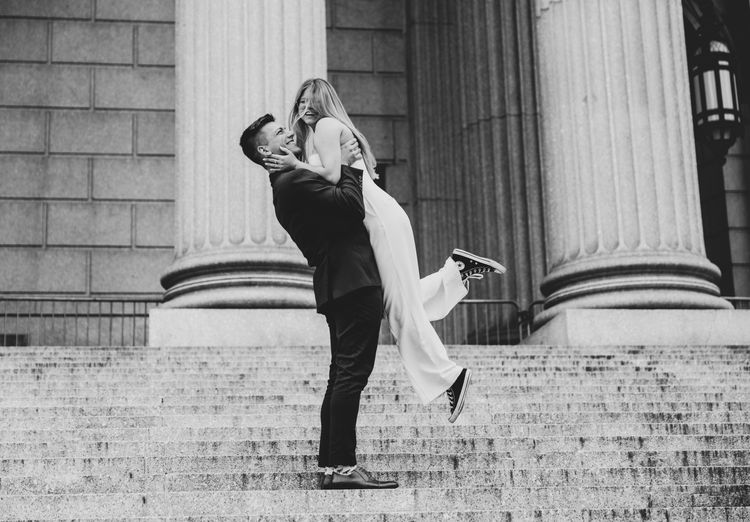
{"x":354,"y":324}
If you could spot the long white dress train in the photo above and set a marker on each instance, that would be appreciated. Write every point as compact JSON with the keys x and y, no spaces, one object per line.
{"x":410,"y":302}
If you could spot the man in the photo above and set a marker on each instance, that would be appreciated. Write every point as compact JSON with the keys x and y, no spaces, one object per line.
{"x":325,"y":221}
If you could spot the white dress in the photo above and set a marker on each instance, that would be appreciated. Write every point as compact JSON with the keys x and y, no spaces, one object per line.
{"x":410,"y":302}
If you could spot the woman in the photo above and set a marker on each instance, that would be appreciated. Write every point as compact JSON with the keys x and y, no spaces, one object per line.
{"x":322,"y":125}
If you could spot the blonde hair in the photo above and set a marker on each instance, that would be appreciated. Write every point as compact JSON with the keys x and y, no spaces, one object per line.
{"x":326,"y":102}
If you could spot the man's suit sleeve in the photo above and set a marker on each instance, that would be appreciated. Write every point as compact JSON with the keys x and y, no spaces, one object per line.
{"x":341,"y":201}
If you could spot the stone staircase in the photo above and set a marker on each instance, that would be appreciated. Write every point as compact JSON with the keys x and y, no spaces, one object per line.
{"x":548,"y":433}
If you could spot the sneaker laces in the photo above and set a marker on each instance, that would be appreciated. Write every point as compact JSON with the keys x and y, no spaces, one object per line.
{"x":451,"y":398}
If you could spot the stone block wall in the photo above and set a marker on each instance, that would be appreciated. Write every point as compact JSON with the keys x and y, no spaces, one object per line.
{"x":367,"y":66}
{"x":86,"y":145}
{"x":737,"y":185}
{"x":87,"y":133}
{"x":737,"y":167}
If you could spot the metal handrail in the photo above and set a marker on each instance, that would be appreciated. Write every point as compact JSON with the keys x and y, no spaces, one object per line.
{"x":75,"y":320}
{"x":105,"y":299}
{"x":743,"y":302}
{"x":108,"y":321}
{"x":478,"y":321}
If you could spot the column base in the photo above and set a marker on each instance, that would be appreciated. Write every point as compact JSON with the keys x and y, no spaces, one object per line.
{"x":237,"y":327}
{"x":608,"y":327}
{"x":646,"y":280}
{"x":239,"y":279}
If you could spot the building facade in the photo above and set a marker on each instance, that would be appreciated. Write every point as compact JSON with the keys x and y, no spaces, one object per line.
{"x":554,"y":135}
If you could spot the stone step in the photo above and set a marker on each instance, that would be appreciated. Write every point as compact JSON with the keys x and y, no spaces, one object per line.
{"x":541,"y":348}
{"x":136,"y":482}
{"x":588,"y":429}
{"x":297,"y":356}
{"x":304,"y":462}
{"x":319,"y":365}
{"x":600,"y":351}
{"x":369,"y":419}
{"x":390,"y":389}
{"x":248,"y":383}
{"x":115,"y":396}
{"x":400,"y":501}
{"x":313,"y":398}
{"x":384,"y":358}
{"x":84,"y":362}
{"x":570,"y":433}
{"x":701,"y":514}
{"x":373,"y":386}
{"x":453,"y":445}
{"x":12,"y":414}
{"x":265,"y":380}
{"x":393,"y":366}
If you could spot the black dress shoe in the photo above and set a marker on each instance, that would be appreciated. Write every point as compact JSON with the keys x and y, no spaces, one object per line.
{"x":324,"y":481}
{"x":360,"y":478}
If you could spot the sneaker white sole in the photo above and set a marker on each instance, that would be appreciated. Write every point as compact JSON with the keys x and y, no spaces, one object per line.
{"x":461,"y":397}
{"x":497,"y":267}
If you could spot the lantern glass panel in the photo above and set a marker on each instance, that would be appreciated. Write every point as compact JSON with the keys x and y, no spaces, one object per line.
{"x":726,"y":89}
{"x":718,"y":47}
{"x":697,"y":96}
{"x":712,"y":99}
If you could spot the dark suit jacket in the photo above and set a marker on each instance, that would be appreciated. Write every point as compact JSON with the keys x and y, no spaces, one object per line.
{"x":325,"y":221}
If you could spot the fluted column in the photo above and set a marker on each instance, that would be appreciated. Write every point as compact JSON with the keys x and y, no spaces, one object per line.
{"x":235,"y":61}
{"x":622,"y":215}
{"x":474,"y":118}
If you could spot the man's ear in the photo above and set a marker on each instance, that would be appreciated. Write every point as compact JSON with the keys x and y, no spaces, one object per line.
{"x":264,"y":150}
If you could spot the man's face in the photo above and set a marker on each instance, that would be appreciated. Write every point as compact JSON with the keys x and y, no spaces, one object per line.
{"x":277,"y":136}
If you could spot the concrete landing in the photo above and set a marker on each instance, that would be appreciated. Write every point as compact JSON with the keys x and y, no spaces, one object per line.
{"x":610,"y":327}
{"x":237,"y":327}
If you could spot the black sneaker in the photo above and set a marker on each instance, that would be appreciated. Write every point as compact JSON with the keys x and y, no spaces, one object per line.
{"x":472,"y":266}
{"x":457,"y":394}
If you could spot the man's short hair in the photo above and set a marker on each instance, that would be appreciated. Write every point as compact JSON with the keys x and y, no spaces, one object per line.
{"x":252,"y":138}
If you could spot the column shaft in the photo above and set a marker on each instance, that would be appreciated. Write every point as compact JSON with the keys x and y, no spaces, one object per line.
{"x":235,"y":61}
{"x":621,"y":197}
{"x":474,"y":118}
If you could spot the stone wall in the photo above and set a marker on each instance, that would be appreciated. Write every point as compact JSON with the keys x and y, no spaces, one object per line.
{"x":86,"y":145}
{"x":87,"y":133}
{"x":736,"y":170}
{"x":367,"y":66}
{"x":737,"y":185}
{"x":87,"y":138}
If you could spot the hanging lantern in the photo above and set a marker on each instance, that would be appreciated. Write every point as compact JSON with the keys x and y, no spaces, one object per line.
{"x":716,"y":106}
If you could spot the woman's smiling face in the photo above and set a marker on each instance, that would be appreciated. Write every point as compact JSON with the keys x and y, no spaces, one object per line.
{"x":304,"y":108}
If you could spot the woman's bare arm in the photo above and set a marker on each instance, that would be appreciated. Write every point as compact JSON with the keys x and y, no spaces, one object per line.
{"x":327,"y":141}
